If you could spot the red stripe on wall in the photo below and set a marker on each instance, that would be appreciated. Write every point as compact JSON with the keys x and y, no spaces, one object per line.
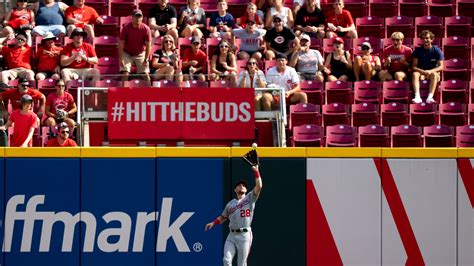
{"x":399,"y":214}
{"x":467,"y":175}
{"x":321,"y":248}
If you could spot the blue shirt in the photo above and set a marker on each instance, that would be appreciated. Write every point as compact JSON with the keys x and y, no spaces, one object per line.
{"x":428,"y":58}
{"x":216,"y":20}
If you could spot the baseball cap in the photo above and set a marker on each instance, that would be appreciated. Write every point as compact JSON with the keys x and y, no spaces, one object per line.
{"x":26,"y":98}
{"x":78,"y":31}
{"x":137,"y":12}
{"x":366,"y":44}
{"x":277,"y":16}
{"x":338,"y":39}
{"x":49,"y":35}
{"x":305,"y":37}
{"x":195,"y":39}
{"x":23,"y":81}
{"x":63,"y":125}
{"x":241,"y":181}
{"x":280,"y":55}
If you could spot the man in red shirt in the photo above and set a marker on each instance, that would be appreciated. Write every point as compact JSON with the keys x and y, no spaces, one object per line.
{"x":339,"y":22}
{"x":135,"y":47}
{"x":62,"y":140}
{"x":18,"y":60}
{"x":81,"y":16}
{"x":397,"y":59}
{"x":14,"y":96}
{"x":24,"y":122}
{"x":48,"y":58}
{"x":78,"y":57}
{"x":194,"y":61}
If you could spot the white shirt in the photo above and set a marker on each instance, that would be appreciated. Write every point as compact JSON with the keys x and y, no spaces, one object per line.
{"x":244,"y":74}
{"x":285,"y":80}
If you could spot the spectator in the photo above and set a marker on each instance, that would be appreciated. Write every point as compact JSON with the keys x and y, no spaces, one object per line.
{"x":163,"y":20}
{"x":194,"y":61}
{"x":308,"y":62}
{"x":338,"y":65}
{"x":49,"y":18}
{"x":340,"y":22}
{"x":78,"y":57}
{"x":48,"y":58}
{"x":397,"y":59}
{"x":252,"y":14}
{"x":298,"y":4}
{"x":14,"y":96}
{"x":369,"y":64}
{"x":427,"y":64}
{"x":223,"y":63}
{"x":310,"y":20}
{"x":20,"y":18}
{"x":135,"y":47}
{"x":285,"y":77}
{"x":81,"y":16}
{"x":192,"y":19}
{"x":60,"y":106}
{"x":62,"y":139}
{"x":18,"y":60}
{"x":221,"y":22}
{"x":252,"y":77}
{"x":282,"y":11}
{"x":279,"y":39}
{"x":24,"y":122}
{"x":164,"y":62}
{"x":251,"y":39}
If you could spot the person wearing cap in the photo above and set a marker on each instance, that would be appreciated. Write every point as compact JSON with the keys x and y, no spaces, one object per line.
{"x":397,"y":60}
{"x":49,"y":18}
{"x":135,"y":47}
{"x":308,"y":62}
{"x":251,"y":13}
{"x":340,"y":22}
{"x":283,"y":12}
{"x":78,"y":58}
{"x":368,"y":63}
{"x":20,"y":18}
{"x":62,"y":139}
{"x":280,"y":39}
{"x":165,"y":61}
{"x":338,"y":64}
{"x":60,"y":106}
{"x":310,"y":20}
{"x":192,"y":19}
{"x":82,"y":16}
{"x":251,"y":40}
{"x":427,"y":65}
{"x":14,"y":96}
{"x":24,"y":122}
{"x":48,"y":58}
{"x":285,"y":77}
{"x":194,"y":61}
{"x":163,"y":20}
{"x":221,"y":22}
{"x":18,"y":60}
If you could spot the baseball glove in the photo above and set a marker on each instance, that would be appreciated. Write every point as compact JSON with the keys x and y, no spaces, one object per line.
{"x":251,"y":158}
{"x":61,"y":114}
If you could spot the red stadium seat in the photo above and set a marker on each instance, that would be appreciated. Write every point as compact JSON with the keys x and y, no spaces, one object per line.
{"x":198,"y":84}
{"x":423,"y":114}
{"x":165,"y":84}
{"x":394,"y":114}
{"x":458,"y":26}
{"x":307,"y":136}
{"x":314,"y":90}
{"x":470,"y":113}
{"x":14,"y":83}
{"x":374,"y":136}
{"x":442,"y":8}
{"x":146,"y":5}
{"x":335,"y":113}
{"x":406,"y":136}
{"x":456,"y":47}
{"x":383,"y":8}
{"x":269,"y":64}
{"x":47,"y":86}
{"x":438,"y":136}
{"x":399,"y":23}
{"x":106,"y":46}
{"x":304,"y":113}
{"x":358,"y":8}
{"x":110,"y":27}
{"x":370,"y":26}
{"x":108,"y":66}
{"x":339,"y":92}
{"x":453,"y":91}
{"x":367,"y":91}
{"x":466,"y":8}
{"x":452,"y":114}
{"x":432,"y":23}
{"x":341,"y":136}
{"x":364,"y":114}
{"x":136,"y":83}
{"x":471,"y":90}
{"x":396,"y":91}
{"x":220,"y":84}
{"x":413,"y":8}
{"x":122,"y":8}
{"x":101,"y":6}
{"x":465,"y":136}
{"x":425,"y":90}
{"x":456,"y":68}
{"x":108,"y":83}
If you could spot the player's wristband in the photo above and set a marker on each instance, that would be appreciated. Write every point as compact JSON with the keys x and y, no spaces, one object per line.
{"x":216,"y":221}
{"x":256,"y":173}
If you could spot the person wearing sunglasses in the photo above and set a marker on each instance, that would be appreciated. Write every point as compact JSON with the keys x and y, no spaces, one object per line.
{"x":62,"y":139}
{"x":18,"y":60}
{"x":308,"y":62}
{"x":13,"y":96}
{"x":20,"y":18}
{"x":367,"y":63}
{"x":397,"y":59}
{"x":282,"y":11}
{"x":24,"y":122}
{"x":280,"y":39}
{"x":223,"y":63}
{"x":60,"y":106}
{"x":194,"y":61}
{"x":251,"y":39}
{"x":252,"y":76}
{"x":164,"y":62}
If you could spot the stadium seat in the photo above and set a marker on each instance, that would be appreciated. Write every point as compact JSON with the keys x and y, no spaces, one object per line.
{"x":110,"y":27}
{"x":341,"y":136}
{"x":269,"y":64}
{"x":465,"y":8}
{"x":413,"y":8}
{"x":101,"y":6}
{"x":453,"y":91}
{"x":122,"y":8}
{"x":432,"y":23}
{"x":339,"y":92}
{"x":442,"y":8}
{"x":374,"y":136}
{"x":136,"y":83}
{"x":393,"y":114}
{"x":108,"y":83}
{"x":165,"y":84}
{"x":423,"y":114}
{"x":425,"y":90}
{"x":458,"y":26}
{"x":220,"y":84}
{"x":396,"y":91}
{"x":307,"y":136}
{"x":358,"y":8}
{"x":376,"y":43}
{"x":109,"y":67}
{"x":456,"y":47}
{"x":335,"y":113}
{"x":365,"y":114}
{"x":402,"y":24}
{"x":406,"y":136}
{"x":438,"y":136}
{"x":367,"y":91}
{"x":383,"y":8}
{"x":106,"y":46}
{"x":370,"y":26}
{"x":456,"y":68}
{"x":47,"y":86}
{"x":465,"y":136}
{"x":198,"y":84}
{"x":471,"y":90}
{"x":470,"y":113}
{"x":452,"y":114}
{"x":14,"y":83}
{"x":211,"y":46}
{"x":314,"y":90}
{"x":146,"y":5}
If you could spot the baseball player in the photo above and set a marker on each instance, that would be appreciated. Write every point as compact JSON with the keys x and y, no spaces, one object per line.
{"x":239,"y":211}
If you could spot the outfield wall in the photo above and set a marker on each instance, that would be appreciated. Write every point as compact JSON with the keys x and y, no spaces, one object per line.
{"x":148,"y":206}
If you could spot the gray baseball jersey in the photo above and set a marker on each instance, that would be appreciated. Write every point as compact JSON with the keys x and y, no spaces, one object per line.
{"x":240,"y":213}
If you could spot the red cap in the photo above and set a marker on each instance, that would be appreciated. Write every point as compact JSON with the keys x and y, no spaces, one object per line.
{"x":338,"y":39}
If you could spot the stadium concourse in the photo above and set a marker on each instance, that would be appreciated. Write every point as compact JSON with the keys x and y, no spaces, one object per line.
{"x":347,"y":69}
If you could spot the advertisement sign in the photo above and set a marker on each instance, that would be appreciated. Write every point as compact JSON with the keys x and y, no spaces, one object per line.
{"x":181,"y":113}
